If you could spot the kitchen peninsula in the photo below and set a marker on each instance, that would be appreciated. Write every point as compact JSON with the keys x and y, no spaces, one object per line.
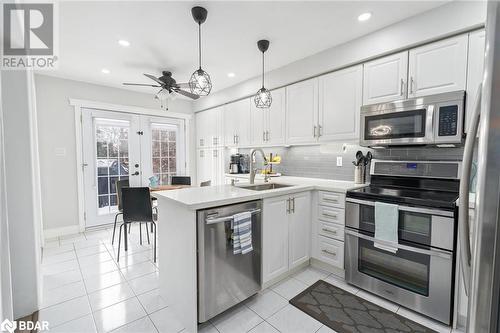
{"x":178,"y":231}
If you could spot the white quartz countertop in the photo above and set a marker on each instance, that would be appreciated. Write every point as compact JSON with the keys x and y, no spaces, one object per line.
{"x":212,"y":196}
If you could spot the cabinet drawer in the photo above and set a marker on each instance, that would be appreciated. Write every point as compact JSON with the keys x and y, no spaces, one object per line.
{"x":331,"y":214}
{"x":331,"y":230}
{"x":333,"y":199}
{"x":331,"y":251}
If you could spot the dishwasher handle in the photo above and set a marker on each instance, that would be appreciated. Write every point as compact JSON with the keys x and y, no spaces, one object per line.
{"x":212,"y":220}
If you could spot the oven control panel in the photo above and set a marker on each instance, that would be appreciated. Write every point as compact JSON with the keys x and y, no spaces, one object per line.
{"x":448,"y":120}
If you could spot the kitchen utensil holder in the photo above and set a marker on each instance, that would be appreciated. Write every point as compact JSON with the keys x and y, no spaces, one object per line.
{"x":359,"y":174}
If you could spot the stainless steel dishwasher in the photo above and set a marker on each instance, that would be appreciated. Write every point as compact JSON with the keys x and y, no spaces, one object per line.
{"x":225,"y":279}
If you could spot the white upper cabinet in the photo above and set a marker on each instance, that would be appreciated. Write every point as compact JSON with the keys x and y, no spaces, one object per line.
{"x":438,"y":67}
{"x":385,"y":79}
{"x":268,"y":125}
{"x":477,"y":43}
{"x":237,"y":123}
{"x":275,"y":120}
{"x":209,"y":128}
{"x":302,"y":111}
{"x":340,"y":98}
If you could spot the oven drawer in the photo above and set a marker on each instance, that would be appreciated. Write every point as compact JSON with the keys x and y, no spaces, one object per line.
{"x":332,"y":199}
{"x":330,"y":214}
{"x":331,"y":251}
{"x":331,"y":230}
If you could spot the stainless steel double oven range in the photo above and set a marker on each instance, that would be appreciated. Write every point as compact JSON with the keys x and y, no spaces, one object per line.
{"x":420,"y":274}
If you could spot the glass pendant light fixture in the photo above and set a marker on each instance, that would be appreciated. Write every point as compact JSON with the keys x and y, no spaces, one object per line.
{"x":263,"y":97}
{"x":200,"y":83}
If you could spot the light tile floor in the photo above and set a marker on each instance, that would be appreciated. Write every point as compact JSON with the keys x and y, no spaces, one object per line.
{"x":86,"y":290}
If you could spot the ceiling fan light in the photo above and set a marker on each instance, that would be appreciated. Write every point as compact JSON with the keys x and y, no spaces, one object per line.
{"x":200,"y":83}
{"x":263,"y":98}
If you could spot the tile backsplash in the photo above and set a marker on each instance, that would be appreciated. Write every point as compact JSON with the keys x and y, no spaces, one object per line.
{"x":320,"y":161}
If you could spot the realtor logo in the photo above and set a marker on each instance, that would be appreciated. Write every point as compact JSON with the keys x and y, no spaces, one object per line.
{"x":8,"y":326}
{"x":29,"y":35}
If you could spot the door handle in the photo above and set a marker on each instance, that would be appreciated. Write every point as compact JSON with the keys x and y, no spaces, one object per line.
{"x":402,"y":87}
{"x":135,"y":173}
{"x":463,"y":209}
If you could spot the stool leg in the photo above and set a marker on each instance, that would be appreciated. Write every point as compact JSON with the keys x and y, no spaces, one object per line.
{"x":140,"y":233}
{"x":119,"y":242}
{"x":154,"y":251}
{"x":147,"y":233}
{"x":114,"y":228}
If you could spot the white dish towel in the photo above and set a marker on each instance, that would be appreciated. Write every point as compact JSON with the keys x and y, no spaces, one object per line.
{"x":386,"y":226}
{"x":242,"y":233}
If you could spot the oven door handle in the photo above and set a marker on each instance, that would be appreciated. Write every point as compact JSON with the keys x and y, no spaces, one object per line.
{"x":406,"y":208}
{"x":434,"y":252}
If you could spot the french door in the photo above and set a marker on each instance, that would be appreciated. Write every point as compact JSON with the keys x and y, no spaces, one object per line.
{"x":121,"y":146}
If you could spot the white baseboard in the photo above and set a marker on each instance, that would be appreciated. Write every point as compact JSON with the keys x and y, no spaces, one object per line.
{"x":63,"y":231}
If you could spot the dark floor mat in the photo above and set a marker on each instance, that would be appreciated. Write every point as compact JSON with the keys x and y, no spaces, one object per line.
{"x":347,"y":313}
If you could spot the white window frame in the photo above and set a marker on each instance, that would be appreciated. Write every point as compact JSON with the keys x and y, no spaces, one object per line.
{"x":79,"y":104}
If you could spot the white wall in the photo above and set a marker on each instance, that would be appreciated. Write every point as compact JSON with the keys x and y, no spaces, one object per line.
{"x":6,"y":310}
{"x":21,"y":182}
{"x":452,"y":18}
{"x":56,"y":128}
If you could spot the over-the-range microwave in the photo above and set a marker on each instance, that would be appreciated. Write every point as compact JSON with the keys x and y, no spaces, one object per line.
{"x":427,"y":120}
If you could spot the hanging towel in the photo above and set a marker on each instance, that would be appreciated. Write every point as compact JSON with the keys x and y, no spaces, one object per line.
{"x":386,"y":226}
{"x":242,"y":233}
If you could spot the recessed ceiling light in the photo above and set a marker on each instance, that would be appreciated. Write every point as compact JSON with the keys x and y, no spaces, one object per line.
{"x":124,"y":42}
{"x":364,"y":16}
{"x":231,"y":74}
{"x":105,"y":71}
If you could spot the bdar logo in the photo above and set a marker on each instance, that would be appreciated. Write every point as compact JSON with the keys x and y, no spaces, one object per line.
{"x":28,"y":29}
{"x":8,"y":326}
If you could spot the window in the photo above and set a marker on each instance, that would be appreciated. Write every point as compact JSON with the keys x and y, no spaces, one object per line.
{"x":111,"y":161}
{"x":164,"y":151}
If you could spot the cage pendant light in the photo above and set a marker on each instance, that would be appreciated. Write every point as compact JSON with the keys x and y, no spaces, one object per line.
{"x":263,"y":98}
{"x":200,"y":83}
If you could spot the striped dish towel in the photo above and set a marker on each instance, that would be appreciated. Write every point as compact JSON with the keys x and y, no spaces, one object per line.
{"x":242,"y":233}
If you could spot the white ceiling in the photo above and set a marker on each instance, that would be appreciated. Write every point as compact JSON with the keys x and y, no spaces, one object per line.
{"x":163,"y":36}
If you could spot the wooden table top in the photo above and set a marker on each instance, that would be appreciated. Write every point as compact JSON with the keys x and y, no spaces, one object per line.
{"x":167,"y":187}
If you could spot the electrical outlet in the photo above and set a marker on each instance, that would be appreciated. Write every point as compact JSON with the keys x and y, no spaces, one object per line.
{"x":339,"y":161}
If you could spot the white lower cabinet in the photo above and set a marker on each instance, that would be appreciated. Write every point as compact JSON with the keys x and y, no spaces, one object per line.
{"x":328,"y":229}
{"x":286,"y":233}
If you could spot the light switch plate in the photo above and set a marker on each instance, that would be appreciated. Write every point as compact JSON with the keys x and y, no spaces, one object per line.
{"x":339,"y":161}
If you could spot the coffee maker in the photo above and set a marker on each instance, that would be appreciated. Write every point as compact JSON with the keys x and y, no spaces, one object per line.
{"x":239,"y":163}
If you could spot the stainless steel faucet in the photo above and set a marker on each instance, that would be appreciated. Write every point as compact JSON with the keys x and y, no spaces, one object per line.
{"x":252,"y":164}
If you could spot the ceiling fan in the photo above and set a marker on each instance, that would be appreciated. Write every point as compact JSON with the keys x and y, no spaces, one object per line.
{"x":168,"y":83}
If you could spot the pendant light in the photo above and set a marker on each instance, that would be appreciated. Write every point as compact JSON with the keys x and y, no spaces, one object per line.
{"x":200,"y":83}
{"x":263,"y":97}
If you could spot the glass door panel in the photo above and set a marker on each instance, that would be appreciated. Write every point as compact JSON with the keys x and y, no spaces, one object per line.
{"x":404,"y":269}
{"x":412,"y":227}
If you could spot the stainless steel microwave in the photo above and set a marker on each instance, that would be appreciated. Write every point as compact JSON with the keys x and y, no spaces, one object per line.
{"x":428,"y":120}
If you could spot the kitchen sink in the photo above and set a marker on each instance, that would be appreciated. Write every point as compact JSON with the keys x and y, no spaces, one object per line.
{"x":264,"y":187}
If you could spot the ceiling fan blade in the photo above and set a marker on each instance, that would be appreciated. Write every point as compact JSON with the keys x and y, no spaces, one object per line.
{"x":154,"y":78}
{"x":187,"y":94}
{"x":183,"y":85}
{"x":140,"y":84}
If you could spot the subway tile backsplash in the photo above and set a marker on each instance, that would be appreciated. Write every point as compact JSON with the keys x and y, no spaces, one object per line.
{"x":321,"y":162}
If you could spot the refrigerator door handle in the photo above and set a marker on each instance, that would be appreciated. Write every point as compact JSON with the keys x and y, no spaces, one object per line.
{"x":463,"y":213}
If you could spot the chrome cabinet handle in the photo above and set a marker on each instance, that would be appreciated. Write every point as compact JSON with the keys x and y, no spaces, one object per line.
{"x":330,"y":199}
{"x":329,"y":231}
{"x":402,"y":87}
{"x":411,"y":85}
{"x":267,"y":136}
{"x":288,"y":206}
{"x":330,"y":215}
{"x":329,"y":252}
{"x":293,"y":205}
{"x":314,"y":131}
{"x":264,"y":136}
{"x":320,"y":130}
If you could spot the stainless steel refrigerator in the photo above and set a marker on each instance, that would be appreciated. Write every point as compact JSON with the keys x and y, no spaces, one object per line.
{"x":481,"y":269}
